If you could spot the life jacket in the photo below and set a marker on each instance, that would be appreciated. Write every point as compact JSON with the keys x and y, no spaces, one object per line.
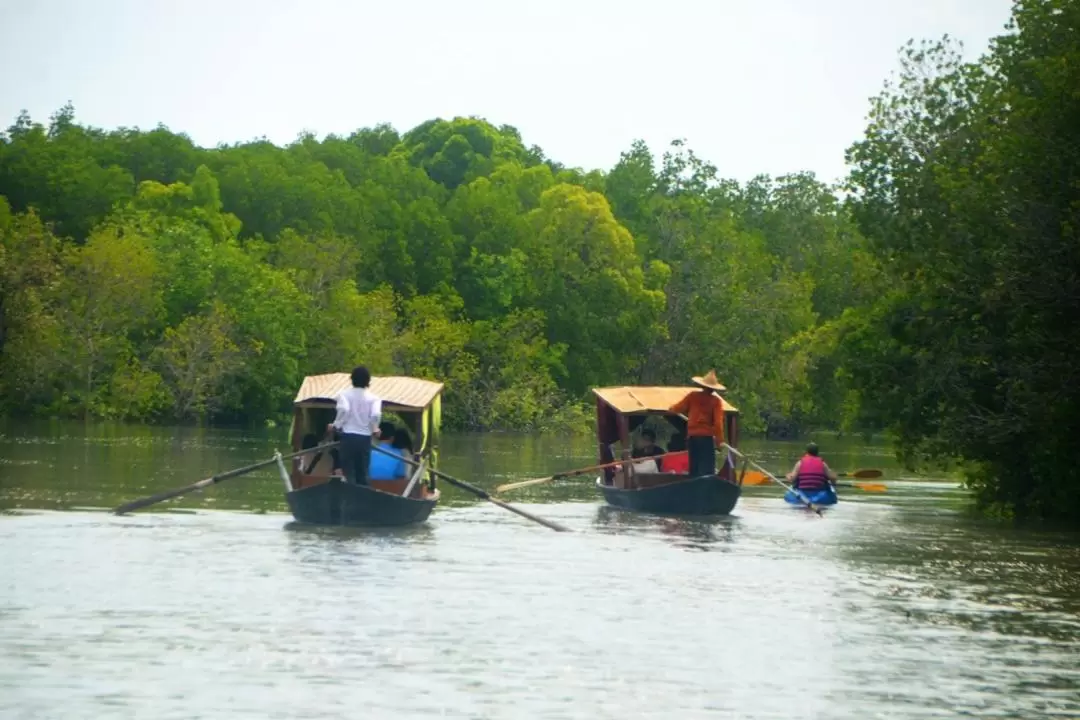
{"x":811,"y":473}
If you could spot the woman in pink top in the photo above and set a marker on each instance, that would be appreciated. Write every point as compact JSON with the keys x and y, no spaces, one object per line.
{"x":810,"y":472}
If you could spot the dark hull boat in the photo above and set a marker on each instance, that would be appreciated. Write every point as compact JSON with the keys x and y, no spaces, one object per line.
{"x":635,"y":483}
{"x":314,"y":489}
{"x":705,"y":495}
{"x":336,"y":502}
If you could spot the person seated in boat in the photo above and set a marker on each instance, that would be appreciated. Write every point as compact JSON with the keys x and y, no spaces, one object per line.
{"x":403,"y":441}
{"x":647,"y":448}
{"x":383,"y":466}
{"x":811,"y":473}
{"x":680,"y":462}
{"x":704,"y":411}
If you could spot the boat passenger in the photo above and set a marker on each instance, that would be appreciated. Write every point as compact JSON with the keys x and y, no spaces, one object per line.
{"x":386,"y":433}
{"x":704,"y":413}
{"x":403,"y":441}
{"x":679,"y":463}
{"x":357,"y":419}
{"x":648,"y":446}
{"x":811,"y":473}
{"x":383,"y":466}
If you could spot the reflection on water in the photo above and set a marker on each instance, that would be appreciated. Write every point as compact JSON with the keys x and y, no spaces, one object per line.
{"x":894,"y":605}
{"x":691,"y":533}
{"x":304,"y":534}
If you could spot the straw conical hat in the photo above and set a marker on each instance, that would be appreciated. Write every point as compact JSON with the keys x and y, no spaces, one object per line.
{"x":709,"y":381}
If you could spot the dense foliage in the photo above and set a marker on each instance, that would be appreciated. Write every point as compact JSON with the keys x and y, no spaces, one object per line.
{"x":144,"y":277}
{"x":968,"y":184}
{"x":147,"y":278}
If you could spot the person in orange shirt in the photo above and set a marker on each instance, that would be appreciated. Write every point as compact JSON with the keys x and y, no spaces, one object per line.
{"x":704,"y":413}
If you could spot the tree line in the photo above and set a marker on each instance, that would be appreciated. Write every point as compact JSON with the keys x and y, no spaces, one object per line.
{"x":932,"y":295}
{"x":147,"y":278}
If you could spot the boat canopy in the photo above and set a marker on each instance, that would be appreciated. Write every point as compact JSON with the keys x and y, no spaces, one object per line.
{"x":418,"y":403}
{"x":648,"y":400}
{"x":399,"y":393}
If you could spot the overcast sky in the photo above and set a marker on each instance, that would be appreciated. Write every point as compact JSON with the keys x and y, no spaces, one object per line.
{"x":754,"y":86}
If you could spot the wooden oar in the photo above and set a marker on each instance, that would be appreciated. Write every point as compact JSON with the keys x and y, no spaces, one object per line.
{"x":865,"y":487}
{"x":478,"y":492}
{"x":798,"y":493}
{"x":862,"y":474}
{"x":582,"y":471}
{"x":213,"y":480}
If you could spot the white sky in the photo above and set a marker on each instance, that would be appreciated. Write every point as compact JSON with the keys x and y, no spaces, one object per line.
{"x":755,"y":86}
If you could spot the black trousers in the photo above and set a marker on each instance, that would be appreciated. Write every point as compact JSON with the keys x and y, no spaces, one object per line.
{"x":355,"y":453}
{"x":702,"y":451}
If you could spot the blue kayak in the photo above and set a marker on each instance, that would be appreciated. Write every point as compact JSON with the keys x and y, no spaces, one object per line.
{"x":824,"y":496}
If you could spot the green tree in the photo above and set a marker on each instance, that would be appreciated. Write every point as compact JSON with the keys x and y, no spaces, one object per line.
{"x":968,"y":185}
{"x":29,"y":265}
{"x":453,"y":152}
{"x":589,"y":282}
{"x":106,"y":300}
{"x":197,"y":359}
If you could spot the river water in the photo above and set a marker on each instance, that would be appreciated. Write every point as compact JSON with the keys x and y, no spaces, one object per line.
{"x":894,"y":605}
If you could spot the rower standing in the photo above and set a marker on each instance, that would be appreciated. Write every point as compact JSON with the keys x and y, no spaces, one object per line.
{"x":704,"y":411}
{"x":358,"y":414}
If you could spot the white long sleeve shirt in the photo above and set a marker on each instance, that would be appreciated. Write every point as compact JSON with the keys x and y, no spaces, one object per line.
{"x":358,"y":412}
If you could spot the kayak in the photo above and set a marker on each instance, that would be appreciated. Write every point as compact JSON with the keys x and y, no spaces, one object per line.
{"x":824,"y":496}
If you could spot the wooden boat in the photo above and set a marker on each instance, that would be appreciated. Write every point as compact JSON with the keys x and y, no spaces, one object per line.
{"x":317,"y":495}
{"x":619,"y":411}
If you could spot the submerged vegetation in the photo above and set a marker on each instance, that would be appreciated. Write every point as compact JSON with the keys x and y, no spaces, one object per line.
{"x":142,"y":277}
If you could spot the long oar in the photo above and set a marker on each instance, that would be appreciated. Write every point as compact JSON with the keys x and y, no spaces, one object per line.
{"x":754,"y":477}
{"x":862,"y":474}
{"x":213,"y":480}
{"x":798,"y":493}
{"x":478,"y":492}
{"x":865,"y":487}
{"x":582,"y":471}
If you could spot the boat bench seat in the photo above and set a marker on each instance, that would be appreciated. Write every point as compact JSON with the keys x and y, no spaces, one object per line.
{"x":394,"y":487}
{"x":648,"y":480}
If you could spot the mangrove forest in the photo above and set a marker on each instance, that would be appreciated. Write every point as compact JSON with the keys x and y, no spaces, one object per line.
{"x":934,"y":294}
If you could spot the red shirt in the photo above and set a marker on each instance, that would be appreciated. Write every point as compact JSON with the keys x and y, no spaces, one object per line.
{"x":705,"y":415}
{"x":678,"y":463}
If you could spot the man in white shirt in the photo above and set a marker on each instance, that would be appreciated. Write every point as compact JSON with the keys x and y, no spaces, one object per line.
{"x":358,"y":416}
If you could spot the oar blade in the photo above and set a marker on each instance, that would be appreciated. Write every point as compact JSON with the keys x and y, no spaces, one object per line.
{"x":753,"y":477}
{"x":866,"y":474}
{"x":535,"y":518}
{"x":160,"y":497}
{"x":523,"y":483}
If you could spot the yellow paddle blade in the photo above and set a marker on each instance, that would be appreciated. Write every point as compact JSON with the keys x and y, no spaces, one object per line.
{"x":865,"y":474}
{"x":754,"y":477}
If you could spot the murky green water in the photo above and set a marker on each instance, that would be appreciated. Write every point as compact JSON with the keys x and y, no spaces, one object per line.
{"x":895,"y":605}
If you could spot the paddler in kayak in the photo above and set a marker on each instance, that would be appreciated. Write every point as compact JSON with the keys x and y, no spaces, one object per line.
{"x":811,"y":474}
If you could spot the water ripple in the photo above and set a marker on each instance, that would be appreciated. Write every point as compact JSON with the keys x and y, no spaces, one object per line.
{"x":480,"y":614}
